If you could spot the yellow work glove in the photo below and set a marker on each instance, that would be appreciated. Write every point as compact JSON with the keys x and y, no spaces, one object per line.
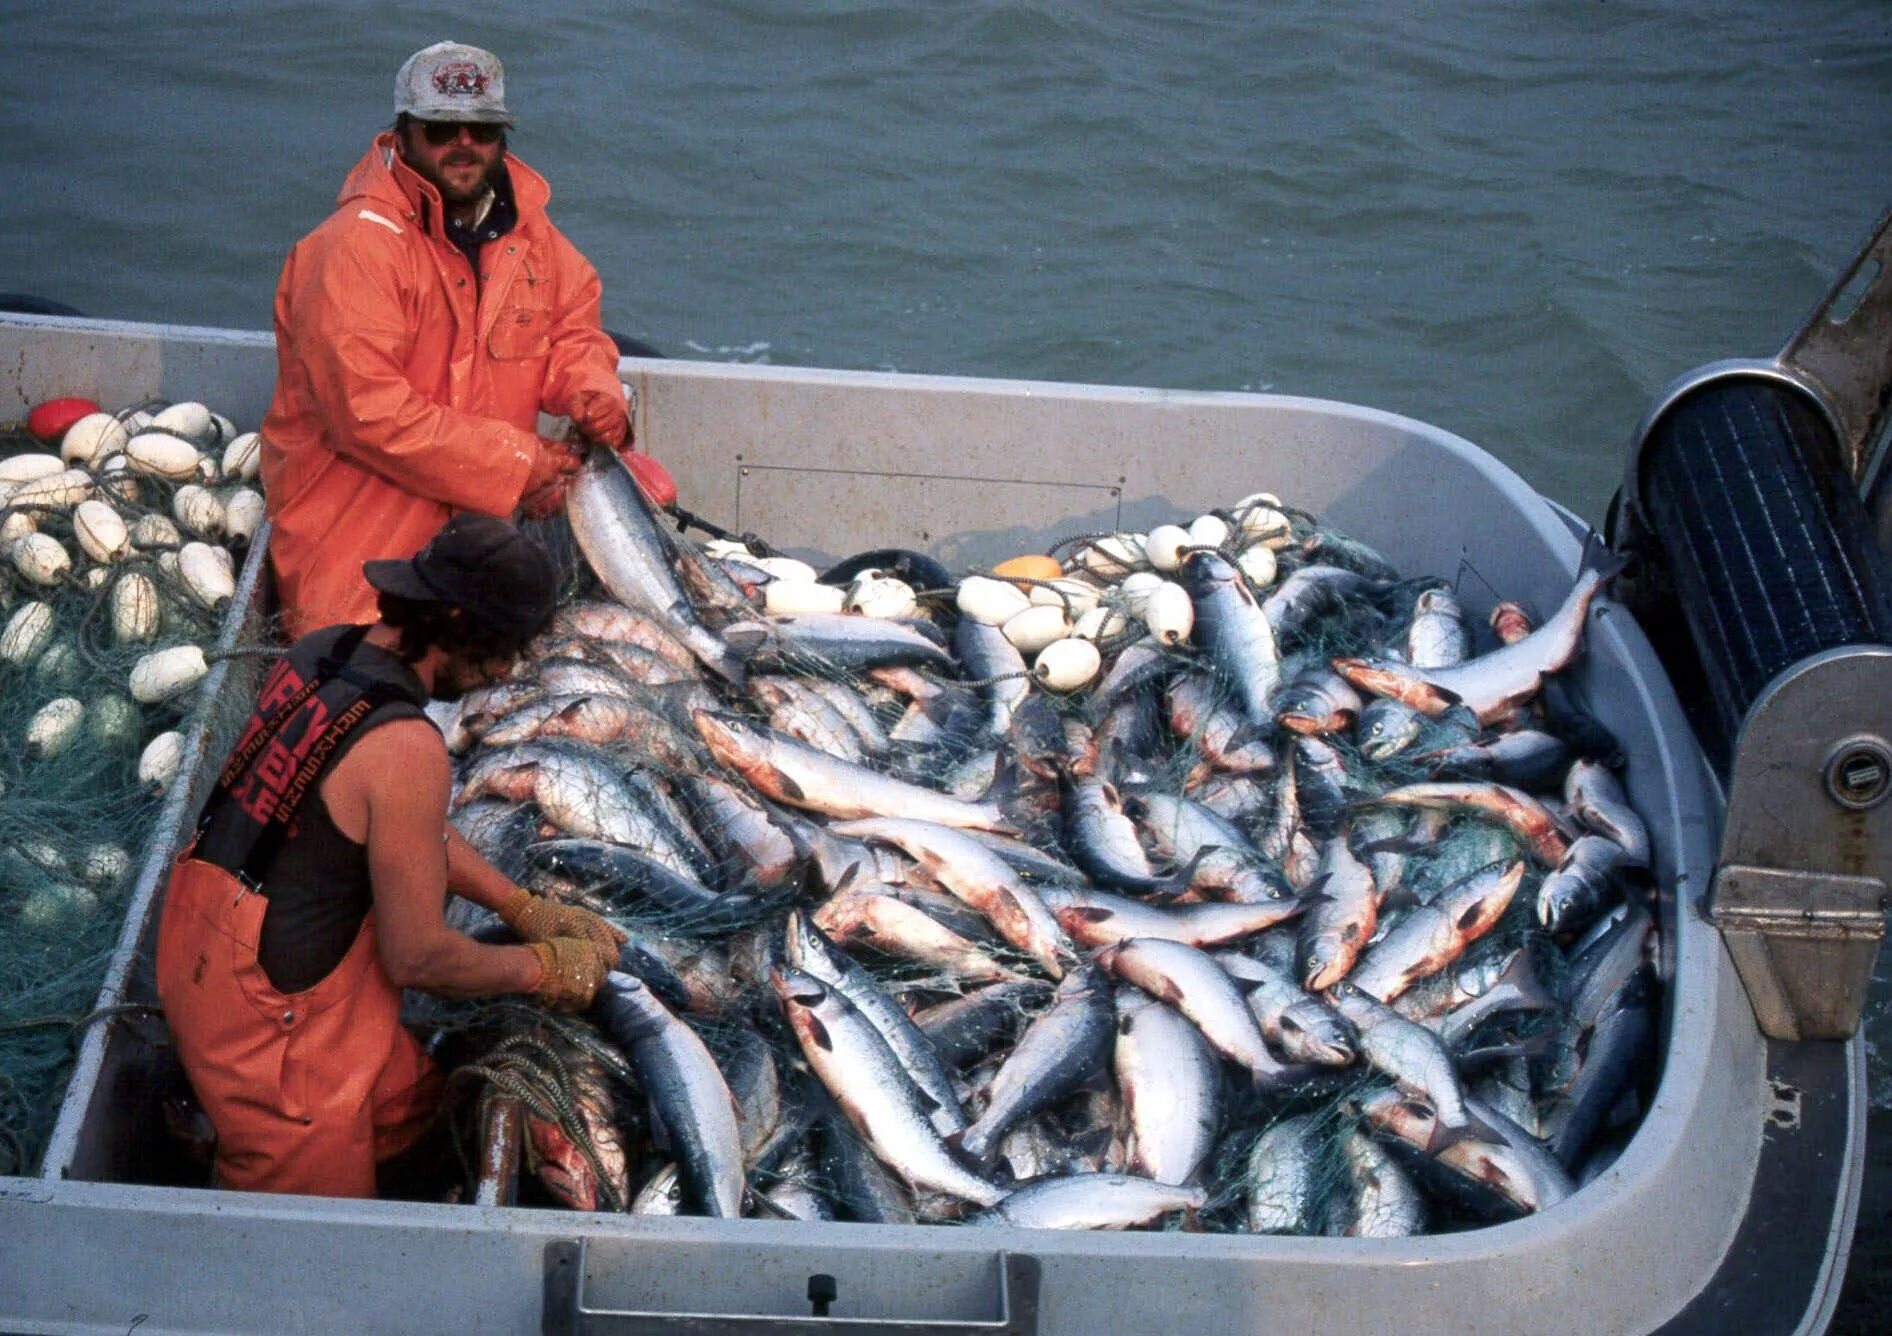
{"x":571,"y":970}
{"x":537,"y":919}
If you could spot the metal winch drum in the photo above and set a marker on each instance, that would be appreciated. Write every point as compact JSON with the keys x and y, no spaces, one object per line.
{"x":1743,"y":504}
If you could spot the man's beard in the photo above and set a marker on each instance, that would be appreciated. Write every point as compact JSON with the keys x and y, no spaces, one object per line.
{"x":452,"y":197}
{"x":457,"y":675}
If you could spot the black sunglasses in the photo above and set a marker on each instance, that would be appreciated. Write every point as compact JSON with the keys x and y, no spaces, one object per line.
{"x":442,"y":133}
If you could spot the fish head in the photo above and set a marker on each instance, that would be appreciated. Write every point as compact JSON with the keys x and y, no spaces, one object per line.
{"x":805,"y":946}
{"x":1511,"y":622}
{"x":1344,"y":994}
{"x":797,"y":990}
{"x":1387,"y":727}
{"x":560,"y":1165}
{"x":1314,"y":716}
{"x":736,"y":746}
{"x":1331,"y":1045}
{"x":795,"y":940}
{"x":1205,"y":567}
{"x":718,"y":731}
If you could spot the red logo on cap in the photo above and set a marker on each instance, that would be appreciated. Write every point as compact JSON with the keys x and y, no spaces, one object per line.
{"x":460,"y":79}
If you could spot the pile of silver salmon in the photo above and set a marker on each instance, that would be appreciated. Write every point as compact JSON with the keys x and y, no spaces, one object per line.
{"x":1215,"y":877}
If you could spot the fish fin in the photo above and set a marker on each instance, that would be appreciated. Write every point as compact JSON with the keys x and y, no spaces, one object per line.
{"x":1443,"y":1138}
{"x":1244,"y":733}
{"x":1521,"y":974}
{"x":812,"y":887}
{"x":1091,"y":913}
{"x":790,"y":789}
{"x":1399,"y":896}
{"x":728,"y":667}
{"x":1483,"y":1127}
{"x":1178,"y":881}
{"x":1395,"y":844}
{"x":1599,"y":557}
{"x":1472,"y":1058}
{"x":1474,"y":1128}
{"x":819,"y":1033}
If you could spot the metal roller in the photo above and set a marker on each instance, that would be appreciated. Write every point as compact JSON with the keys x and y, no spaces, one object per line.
{"x":1761,"y":580}
{"x":1740,"y":498}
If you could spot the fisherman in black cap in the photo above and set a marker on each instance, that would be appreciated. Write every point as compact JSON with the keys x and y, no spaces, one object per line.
{"x":316,"y":888}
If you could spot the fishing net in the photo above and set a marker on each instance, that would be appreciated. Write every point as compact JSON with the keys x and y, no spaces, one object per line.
{"x":923,"y":721}
{"x":106,"y":621}
{"x":597,"y":774}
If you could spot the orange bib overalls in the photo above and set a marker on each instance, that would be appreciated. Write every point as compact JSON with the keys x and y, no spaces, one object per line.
{"x":308,"y":1091}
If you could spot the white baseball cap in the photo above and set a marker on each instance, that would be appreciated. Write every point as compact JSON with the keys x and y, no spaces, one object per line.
{"x":451,"y":82}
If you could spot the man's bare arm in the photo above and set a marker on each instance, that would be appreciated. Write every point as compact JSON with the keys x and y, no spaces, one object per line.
{"x":471,"y":877}
{"x":392,"y":788}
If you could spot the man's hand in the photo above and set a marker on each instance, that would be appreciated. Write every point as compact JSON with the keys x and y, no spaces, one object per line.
{"x":603,"y":418}
{"x":552,"y":471}
{"x":537,"y":919}
{"x":571,"y":971}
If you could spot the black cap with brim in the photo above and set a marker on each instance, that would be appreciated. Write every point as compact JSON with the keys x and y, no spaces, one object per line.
{"x":484,"y":566}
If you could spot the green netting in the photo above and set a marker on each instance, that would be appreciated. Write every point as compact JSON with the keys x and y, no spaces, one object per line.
{"x":76,"y":816}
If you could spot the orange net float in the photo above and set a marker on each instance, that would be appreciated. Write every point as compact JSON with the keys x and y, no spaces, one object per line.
{"x":1031,"y":566}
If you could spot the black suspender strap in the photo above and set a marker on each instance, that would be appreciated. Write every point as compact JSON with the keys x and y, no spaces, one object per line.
{"x":242,"y":758}
{"x":276,"y":829}
{"x":335,"y":665}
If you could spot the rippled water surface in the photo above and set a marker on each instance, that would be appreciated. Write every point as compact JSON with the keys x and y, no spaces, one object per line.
{"x":1517,"y":221}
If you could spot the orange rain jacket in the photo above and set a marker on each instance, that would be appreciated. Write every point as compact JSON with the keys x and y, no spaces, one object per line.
{"x":408,"y":387}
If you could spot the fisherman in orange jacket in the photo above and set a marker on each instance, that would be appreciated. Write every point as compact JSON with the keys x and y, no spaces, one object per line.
{"x":420,"y":330}
{"x":316,"y":886}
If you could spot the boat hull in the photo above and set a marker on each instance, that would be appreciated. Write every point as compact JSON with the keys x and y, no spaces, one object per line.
{"x":918,"y":462}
